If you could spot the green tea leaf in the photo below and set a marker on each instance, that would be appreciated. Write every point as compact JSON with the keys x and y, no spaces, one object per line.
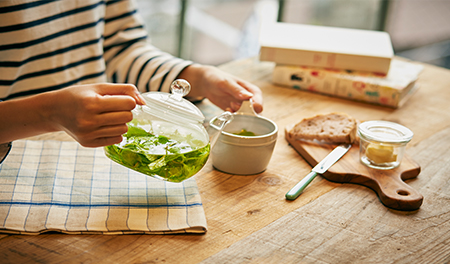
{"x":246,"y":133}
{"x":159,"y":156}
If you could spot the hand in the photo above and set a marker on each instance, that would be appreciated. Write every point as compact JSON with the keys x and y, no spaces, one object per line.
{"x":223,"y":89}
{"x":95,"y":115}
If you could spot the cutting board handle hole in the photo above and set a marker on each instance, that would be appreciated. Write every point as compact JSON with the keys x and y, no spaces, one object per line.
{"x":402,"y":192}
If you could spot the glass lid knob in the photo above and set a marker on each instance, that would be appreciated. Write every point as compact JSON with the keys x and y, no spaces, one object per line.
{"x":180,"y":88}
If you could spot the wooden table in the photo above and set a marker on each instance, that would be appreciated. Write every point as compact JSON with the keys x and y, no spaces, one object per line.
{"x":249,"y":220}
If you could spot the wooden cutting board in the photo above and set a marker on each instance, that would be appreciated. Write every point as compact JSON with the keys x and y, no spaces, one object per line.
{"x":389,"y":185}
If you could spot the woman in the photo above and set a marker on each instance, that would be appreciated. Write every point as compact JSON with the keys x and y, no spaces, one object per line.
{"x":79,"y":66}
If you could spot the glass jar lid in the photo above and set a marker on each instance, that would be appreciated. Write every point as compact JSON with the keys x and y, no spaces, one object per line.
{"x":385,"y":131}
{"x":174,"y":104}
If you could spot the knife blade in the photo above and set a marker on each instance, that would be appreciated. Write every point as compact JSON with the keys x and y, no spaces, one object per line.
{"x":320,"y":168}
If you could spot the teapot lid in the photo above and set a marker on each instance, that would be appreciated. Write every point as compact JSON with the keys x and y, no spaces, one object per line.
{"x":174,"y":103}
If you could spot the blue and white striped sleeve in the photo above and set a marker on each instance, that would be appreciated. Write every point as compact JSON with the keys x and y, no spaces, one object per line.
{"x":129,"y":57}
{"x":4,"y":149}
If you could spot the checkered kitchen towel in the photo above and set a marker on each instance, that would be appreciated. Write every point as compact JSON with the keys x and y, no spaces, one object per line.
{"x":64,"y":187}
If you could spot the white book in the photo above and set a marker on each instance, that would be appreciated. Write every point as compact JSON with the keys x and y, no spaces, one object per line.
{"x":326,"y":47}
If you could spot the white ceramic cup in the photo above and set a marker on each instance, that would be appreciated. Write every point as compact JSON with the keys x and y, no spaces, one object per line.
{"x":244,"y":155}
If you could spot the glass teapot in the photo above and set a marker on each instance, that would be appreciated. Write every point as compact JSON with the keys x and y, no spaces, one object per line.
{"x":166,"y":138}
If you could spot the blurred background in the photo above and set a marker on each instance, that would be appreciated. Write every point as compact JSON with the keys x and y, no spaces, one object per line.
{"x":218,"y":31}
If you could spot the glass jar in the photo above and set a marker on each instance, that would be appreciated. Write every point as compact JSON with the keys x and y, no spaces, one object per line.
{"x":166,"y":138}
{"x":382,"y":143}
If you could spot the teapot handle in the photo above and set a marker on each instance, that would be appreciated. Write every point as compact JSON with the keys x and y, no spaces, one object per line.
{"x":222,"y":121}
{"x":246,"y":108}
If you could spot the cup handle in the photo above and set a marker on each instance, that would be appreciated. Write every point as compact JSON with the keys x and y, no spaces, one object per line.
{"x":246,"y":108}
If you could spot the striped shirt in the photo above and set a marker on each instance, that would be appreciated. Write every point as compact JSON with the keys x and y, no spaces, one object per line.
{"x":49,"y":45}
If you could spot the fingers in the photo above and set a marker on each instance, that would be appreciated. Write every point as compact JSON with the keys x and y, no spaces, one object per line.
{"x":121,"y":89}
{"x":103,"y":136}
{"x":116,"y":103}
{"x":235,"y":106}
{"x":257,"y":95}
{"x":101,"y":142}
{"x":109,"y":127}
{"x":102,"y":113}
{"x":238,"y":90}
{"x":118,"y":97}
{"x":114,"y":118}
{"x":243,"y":90}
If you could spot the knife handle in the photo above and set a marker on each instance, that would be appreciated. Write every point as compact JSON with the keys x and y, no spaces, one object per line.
{"x":300,"y":186}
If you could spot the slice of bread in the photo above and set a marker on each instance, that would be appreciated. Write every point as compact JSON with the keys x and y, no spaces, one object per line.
{"x":330,"y":128}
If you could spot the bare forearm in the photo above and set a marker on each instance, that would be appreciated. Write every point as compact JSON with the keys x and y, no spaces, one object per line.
{"x":25,"y":117}
{"x":193,"y":74}
{"x":94,"y":114}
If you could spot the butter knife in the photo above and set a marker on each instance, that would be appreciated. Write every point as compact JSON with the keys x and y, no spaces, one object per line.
{"x":320,"y":168}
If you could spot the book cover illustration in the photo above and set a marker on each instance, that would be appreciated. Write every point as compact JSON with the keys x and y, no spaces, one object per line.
{"x":389,"y":90}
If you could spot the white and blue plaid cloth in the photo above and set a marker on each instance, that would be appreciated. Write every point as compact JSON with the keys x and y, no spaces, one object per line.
{"x":64,"y":187}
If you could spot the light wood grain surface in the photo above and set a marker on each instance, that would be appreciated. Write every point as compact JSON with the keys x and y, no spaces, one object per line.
{"x":249,"y":220}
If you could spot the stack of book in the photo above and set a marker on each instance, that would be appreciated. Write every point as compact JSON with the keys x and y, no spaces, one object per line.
{"x":348,"y":63}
